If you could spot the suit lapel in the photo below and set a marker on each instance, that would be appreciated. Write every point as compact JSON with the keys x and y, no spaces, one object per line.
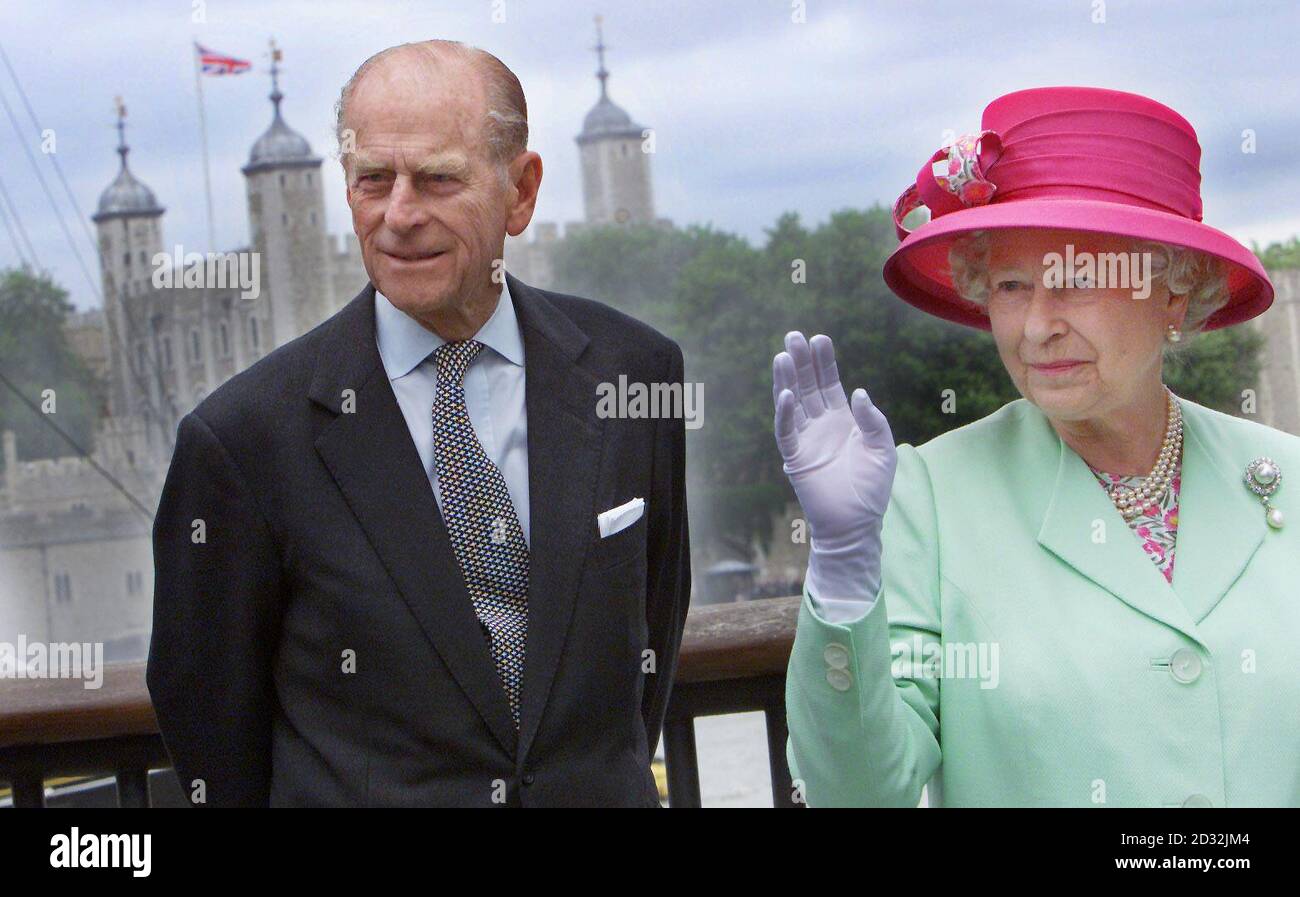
{"x":370,"y":454}
{"x":1220,"y":523}
{"x":1109,"y":555}
{"x":564,"y":454}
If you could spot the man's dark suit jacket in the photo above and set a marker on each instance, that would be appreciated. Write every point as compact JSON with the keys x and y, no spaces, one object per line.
{"x":322,"y":544}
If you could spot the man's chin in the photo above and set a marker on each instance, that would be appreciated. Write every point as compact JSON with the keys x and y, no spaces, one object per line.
{"x":413,"y":293}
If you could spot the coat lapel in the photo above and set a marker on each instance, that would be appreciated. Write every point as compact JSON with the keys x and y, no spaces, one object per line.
{"x":1220,"y":523}
{"x":1218,"y":530}
{"x":369,"y":452}
{"x":564,"y":455}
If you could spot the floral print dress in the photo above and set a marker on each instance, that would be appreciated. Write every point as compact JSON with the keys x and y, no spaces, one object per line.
{"x":1156,"y":526}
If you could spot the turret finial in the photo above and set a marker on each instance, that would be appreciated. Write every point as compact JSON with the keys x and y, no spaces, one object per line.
{"x":600,"y":48}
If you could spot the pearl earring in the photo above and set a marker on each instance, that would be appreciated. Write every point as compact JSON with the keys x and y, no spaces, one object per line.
{"x":1173,"y":334}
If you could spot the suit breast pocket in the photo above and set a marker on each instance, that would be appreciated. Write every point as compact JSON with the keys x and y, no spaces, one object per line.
{"x":628,"y":544}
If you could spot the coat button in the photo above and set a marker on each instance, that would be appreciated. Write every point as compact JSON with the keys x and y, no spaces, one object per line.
{"x":1185,"y":665}
{"x":528,"y":778}
{"x":836,"y":656}
{"x":839,"y":679}
{"x":1198,"y":800}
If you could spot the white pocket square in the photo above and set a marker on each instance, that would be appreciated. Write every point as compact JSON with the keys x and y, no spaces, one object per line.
{"x":620,"y":518}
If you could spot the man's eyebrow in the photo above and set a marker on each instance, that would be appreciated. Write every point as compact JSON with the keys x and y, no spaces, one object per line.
{"x":367,"y":164}
{"x":443,"y":164}
{"x":453,"y":164}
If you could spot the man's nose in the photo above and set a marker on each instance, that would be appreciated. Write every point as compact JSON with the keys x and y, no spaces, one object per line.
{"x":406,"y":210}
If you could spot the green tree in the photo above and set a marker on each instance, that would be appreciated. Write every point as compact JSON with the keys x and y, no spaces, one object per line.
{"x":35,"y":356}
{"x":1280,"y":255}
{"x":1215,"y":367}
{"x":905,"y":359}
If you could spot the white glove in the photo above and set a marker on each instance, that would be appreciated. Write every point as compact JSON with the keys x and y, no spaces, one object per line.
{"x":840,"y":459}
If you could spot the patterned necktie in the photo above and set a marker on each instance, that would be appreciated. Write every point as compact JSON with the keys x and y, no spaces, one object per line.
{"x":485,"y":532}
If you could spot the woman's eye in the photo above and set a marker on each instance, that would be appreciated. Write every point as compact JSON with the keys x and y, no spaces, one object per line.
{"x":1007,"y":286}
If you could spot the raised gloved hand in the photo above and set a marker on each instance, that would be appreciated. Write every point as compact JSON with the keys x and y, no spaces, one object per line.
{"x":840,"y":459}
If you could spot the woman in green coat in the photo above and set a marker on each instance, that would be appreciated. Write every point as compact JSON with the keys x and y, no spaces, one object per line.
{"x":1090,"y":597}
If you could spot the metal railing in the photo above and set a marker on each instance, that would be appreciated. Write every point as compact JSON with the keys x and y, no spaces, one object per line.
{"x":733,"y":660}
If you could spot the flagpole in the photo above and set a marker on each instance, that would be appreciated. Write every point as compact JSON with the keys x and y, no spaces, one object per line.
{"x":203,"y":132}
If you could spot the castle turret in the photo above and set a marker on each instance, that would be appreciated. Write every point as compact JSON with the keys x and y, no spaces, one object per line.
{"x":286,"y":215}
{"x":129,"y":225}
{"x":615,"y":169}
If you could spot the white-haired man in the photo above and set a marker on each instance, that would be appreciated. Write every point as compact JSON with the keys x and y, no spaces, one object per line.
{"x":405,"y":596}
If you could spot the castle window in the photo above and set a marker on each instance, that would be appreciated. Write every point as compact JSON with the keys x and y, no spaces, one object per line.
{"x":281,"y":180}
{"x":284,"y":219}
{"x":196,"y":345}
{"x":141,"y":355}
{"x":252,"y":333}
{"x":62,"y":588}
{"x":142,"y":258}
{"x":313,"y":217}
{"x":224,"y":332}
{"x":126,"y":259}
{"x":167,"y":352}
{"x":134,"y":582}
{"x":309,"y":179}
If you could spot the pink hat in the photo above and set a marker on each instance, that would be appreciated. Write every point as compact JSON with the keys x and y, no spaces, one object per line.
{"x":1073,"y":158}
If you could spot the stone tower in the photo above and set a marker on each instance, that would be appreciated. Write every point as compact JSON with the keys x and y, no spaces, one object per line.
{"x":129,"y":225}
{"x":286,"y":218}
{"x":615,"y":170}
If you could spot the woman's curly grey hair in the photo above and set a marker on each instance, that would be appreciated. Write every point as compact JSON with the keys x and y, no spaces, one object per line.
{"x":1199,"y":276}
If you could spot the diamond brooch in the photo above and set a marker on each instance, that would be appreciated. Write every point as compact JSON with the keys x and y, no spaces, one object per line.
{"x":1263,"y":476}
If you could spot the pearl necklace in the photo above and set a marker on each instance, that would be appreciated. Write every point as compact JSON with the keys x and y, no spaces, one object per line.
{"x":1130,"y":501}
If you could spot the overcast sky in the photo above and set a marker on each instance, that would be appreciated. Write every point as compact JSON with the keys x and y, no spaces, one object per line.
{"x":755,"y":114}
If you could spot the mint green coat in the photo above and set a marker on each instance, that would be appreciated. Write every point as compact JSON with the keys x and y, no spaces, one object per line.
{"x":1100,"y":684}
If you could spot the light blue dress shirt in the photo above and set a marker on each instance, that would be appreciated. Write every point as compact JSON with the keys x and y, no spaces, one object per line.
{"x":494,"y":390}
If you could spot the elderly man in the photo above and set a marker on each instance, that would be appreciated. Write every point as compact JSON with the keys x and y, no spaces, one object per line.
{"x":406,"y":591}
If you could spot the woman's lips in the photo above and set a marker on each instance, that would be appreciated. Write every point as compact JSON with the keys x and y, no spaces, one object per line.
{"x":1059,"y":367}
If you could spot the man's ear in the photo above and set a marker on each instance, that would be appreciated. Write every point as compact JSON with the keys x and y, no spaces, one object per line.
{"x":525,"y":177}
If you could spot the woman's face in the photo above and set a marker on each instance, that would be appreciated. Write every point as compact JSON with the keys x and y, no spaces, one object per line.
{"x":1077,"y":346}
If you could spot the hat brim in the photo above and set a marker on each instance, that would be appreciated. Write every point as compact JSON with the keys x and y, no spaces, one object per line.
{"x":918,"y":270}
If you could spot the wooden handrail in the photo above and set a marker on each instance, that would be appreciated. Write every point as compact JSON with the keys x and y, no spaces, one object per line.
{"x":737,"y":641}
{"x":721,"y":641}
{"x":49,"y":711}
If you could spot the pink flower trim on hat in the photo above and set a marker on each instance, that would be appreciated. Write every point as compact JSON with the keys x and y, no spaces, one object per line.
{"x":964,"y":178}
{"x":967,"y":162}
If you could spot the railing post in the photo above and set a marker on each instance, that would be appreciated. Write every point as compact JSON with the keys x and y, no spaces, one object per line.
{"x":782,"y":785}
{"x":29,"y":789}
{"x":133,"y":787}
{"x":682,"y":763}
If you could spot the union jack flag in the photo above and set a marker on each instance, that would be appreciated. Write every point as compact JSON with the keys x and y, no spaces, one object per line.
{"x":215,"y":63}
